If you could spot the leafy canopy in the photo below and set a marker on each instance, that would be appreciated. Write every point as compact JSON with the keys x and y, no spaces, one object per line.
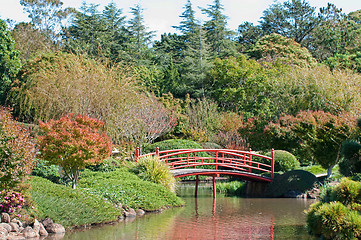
{"x":74,"y":143}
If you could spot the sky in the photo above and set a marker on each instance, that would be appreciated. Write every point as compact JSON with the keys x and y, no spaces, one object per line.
{"x":161,"y":15}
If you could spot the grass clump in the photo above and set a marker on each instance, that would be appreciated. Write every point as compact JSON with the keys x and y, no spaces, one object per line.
{"x":234,"y":188}
{"x":70,"y":207}
{"x":122,"y":186}
{"x":151,"y":169}
{"x":337,"y":215}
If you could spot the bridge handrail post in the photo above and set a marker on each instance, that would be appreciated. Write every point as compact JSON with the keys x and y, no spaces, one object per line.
{"x":217,"y":160}
{"x":250,"y":160}
{"x":157,"y":151}
{"x":137,"y":154}
{"x":272,"y":163}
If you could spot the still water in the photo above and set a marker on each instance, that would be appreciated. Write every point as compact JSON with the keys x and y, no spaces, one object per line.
{"x":206,"y":218}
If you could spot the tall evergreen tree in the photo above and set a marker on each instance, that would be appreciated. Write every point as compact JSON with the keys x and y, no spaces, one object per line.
{"x":88,"y":33}
{"x":116,"y":29}
{"x":189,"y":23}
{"x":140,"y":36}
{"x":218,"y":36}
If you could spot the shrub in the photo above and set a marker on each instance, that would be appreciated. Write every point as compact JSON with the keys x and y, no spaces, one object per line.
{"x":334,"y":221}
{"x":350,"y":164}
{"x":11,"y":201}
{"x":337,"y":215}
{"x":17,"y":151}
{"x":347,"y":192}
{"x":173,"y":144}
{"x":44,"y":170}
{"x":152,"y":169}
{"x":73,"y":143}
{"x":284,"y":161}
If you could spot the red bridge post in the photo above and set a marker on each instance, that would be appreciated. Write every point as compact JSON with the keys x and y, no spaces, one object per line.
{"x":272,"y":163}
{"x":137,"y":154}
{"x":250,"y":160}
{"x":196,"y":190}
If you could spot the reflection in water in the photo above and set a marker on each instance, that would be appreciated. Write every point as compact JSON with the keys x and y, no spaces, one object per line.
{"x":207,"y":218}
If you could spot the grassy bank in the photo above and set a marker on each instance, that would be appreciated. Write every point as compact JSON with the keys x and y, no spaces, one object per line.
{"x":97,"y":195}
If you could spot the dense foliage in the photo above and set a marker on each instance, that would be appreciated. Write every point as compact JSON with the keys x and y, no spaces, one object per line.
{"x":17,"y":151}
{"x":337,"y":215}
{"x":284,"y":161}
{"x":73,"y":143}
{"x":9,"y":61}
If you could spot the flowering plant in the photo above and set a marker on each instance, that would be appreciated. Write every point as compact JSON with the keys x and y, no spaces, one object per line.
{"x":11,"y":201}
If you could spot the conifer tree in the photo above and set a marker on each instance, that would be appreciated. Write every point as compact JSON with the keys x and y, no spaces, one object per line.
{"x":140,"y":36}
{"x":218,"y":36}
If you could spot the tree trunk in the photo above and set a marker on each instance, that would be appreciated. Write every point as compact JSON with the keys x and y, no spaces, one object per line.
{"x":329,"y":171}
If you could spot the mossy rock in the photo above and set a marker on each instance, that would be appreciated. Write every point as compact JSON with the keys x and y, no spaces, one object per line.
{"x":295,"y":180}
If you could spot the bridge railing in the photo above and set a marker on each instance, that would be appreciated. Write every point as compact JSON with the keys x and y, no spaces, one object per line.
{"x":220,"y":158}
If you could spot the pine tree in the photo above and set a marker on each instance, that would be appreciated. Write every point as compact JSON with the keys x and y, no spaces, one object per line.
{"x":140,"y":37}
{"x":218,"y":36}
{"x":88,"y":33}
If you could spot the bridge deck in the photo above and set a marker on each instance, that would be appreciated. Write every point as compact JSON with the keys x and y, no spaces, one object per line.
{"x":244,"y":175}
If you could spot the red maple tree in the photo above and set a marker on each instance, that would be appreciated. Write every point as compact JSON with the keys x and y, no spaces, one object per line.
{"x":73,"y":143}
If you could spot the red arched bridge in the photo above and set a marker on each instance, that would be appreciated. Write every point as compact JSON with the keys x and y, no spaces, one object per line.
{"x":247,"y":165}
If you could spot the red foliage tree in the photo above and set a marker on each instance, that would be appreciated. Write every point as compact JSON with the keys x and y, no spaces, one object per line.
{"x":17,"y":151}
{"x":73,"y":143}
{"x":318,"y":133}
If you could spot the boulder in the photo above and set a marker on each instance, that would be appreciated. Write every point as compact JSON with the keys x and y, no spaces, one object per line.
{"x":6,"y":226}
{"x":15,"y":236}
{"x":14,"y":227}
{"x":20,"y":224}
{"x":36,"y":227}
{"x":29,"y":232}
{"x":2,"y":235}
{"x":47,"y":221}
{"x":140,"y":212}
{"x":5,"y":218}
{"x":3,"y":231}
{"x":55,"y":228}
{"x":130,"y":213}
{"x":42,"y":230}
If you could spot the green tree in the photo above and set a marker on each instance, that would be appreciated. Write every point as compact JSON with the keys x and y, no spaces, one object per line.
{"x":276,"y":47}
{"x":88,"y":33}
{"x":47,"y":15}
{"x":30,"y":41}
{"x":294,"y":19}
{"x":337,"y":33}
{"x":218,"y":36}
{"x":242,"y":85}
{"x":140,"y":37}
{"x":9,"y":61}
{"x":248,"y":35}
{"x":73,"y":143}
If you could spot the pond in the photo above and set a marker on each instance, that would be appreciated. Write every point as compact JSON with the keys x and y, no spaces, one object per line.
{"x":206,"y":218}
